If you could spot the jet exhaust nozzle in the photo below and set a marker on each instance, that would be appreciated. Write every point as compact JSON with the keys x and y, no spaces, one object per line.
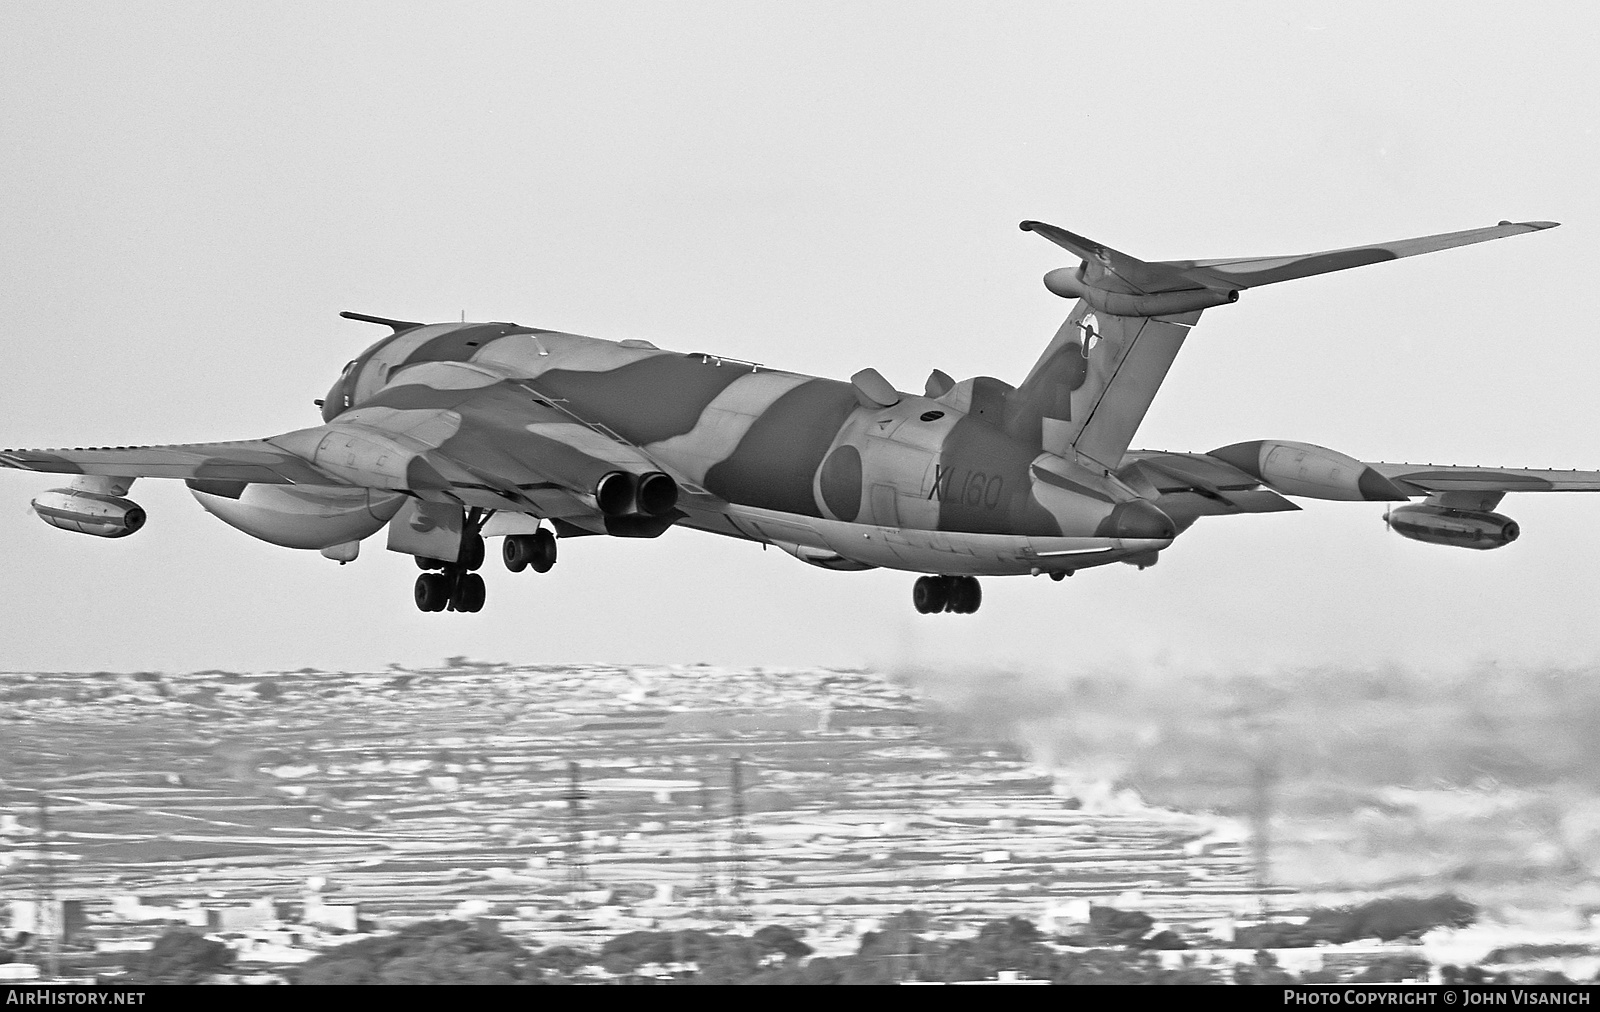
{"x":614,"y":493}
{"x":657,"y":495}
{"x":620,"y":494}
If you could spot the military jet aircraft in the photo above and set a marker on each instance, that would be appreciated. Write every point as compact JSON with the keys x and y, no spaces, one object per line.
{"x":449,"y":433}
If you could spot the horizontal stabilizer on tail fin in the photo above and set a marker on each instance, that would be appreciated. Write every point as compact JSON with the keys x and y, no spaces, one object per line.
{"x":1108,"y":272}
{"x":1253,"y":272}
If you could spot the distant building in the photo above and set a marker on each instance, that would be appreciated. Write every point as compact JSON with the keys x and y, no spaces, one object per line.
{"x":23,"y":916}
{"x":338,"y":916}
{"x":132,"y":908}
{"x":72,"y":916}
{"x":239,"y":918}
{"x":66,"y":917}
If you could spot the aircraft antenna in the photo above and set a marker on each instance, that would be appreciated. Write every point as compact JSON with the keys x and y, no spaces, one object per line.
{"x":574,"y":796}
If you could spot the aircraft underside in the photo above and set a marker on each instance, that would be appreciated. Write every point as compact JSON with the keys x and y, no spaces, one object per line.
{"x":954,"y":559}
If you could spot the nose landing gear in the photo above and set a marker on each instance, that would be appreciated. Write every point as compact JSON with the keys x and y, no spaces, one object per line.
{"x":959,"y":594}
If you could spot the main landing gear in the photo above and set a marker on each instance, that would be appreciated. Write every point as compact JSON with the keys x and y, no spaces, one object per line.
{"x":456,"y":586}
{"x":453,"y":585}
{"x":536,"y":550}
{"x":960,"y":594}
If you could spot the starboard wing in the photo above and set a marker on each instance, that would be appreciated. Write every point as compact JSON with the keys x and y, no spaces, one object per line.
{"x":252,"y":460}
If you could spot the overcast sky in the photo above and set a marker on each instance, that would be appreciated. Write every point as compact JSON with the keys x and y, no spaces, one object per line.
{"x":189,"y":193}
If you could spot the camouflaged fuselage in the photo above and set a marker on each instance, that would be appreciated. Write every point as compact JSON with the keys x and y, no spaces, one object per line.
{"x":796,"y":460}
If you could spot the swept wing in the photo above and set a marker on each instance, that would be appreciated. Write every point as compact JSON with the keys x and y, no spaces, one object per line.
{"x":1435,"y":479}
{"x":251,"y":460}
{"x":1190,"y":485}
{"x":470,"y":435}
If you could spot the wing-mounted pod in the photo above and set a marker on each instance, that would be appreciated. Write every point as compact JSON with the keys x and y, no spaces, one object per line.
{"x":1435,"y":524}
{"x":92,"y":504}
{"x":1460,"y":519}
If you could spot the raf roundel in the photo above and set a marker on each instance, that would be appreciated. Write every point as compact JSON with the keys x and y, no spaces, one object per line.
{"x":1090,"y":326}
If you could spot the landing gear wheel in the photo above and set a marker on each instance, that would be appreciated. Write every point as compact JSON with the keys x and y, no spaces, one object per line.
{"x":426,"y":563}
{"x":471,"y":551}
{"x":432,"y":592}
{"x":536,"y":550}
{"x":469,"y":593}
{"x":517,"y":552}
{"x":544,"y":551}
{"x":974,"y":595}
{"x":929,"y":594}
{"x":964,"y":594}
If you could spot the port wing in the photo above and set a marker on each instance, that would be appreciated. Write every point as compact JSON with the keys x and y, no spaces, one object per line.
{"x":1437,"y":479}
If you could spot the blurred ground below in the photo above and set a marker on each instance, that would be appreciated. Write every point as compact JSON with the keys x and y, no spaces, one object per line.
{"x":1484,"y":781}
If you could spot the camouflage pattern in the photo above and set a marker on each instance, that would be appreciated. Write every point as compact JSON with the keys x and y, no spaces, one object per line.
{"x":969,"y":478}
{"x":529,"y":420}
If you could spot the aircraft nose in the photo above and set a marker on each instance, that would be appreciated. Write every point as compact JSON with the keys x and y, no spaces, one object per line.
{"x":1137,"y":519}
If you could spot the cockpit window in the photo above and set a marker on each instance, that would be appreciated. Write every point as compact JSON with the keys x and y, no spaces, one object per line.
{"x":339,"y":398}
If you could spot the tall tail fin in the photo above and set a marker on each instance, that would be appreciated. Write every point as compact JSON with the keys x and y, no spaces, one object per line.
{"x":1091,"y":388}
